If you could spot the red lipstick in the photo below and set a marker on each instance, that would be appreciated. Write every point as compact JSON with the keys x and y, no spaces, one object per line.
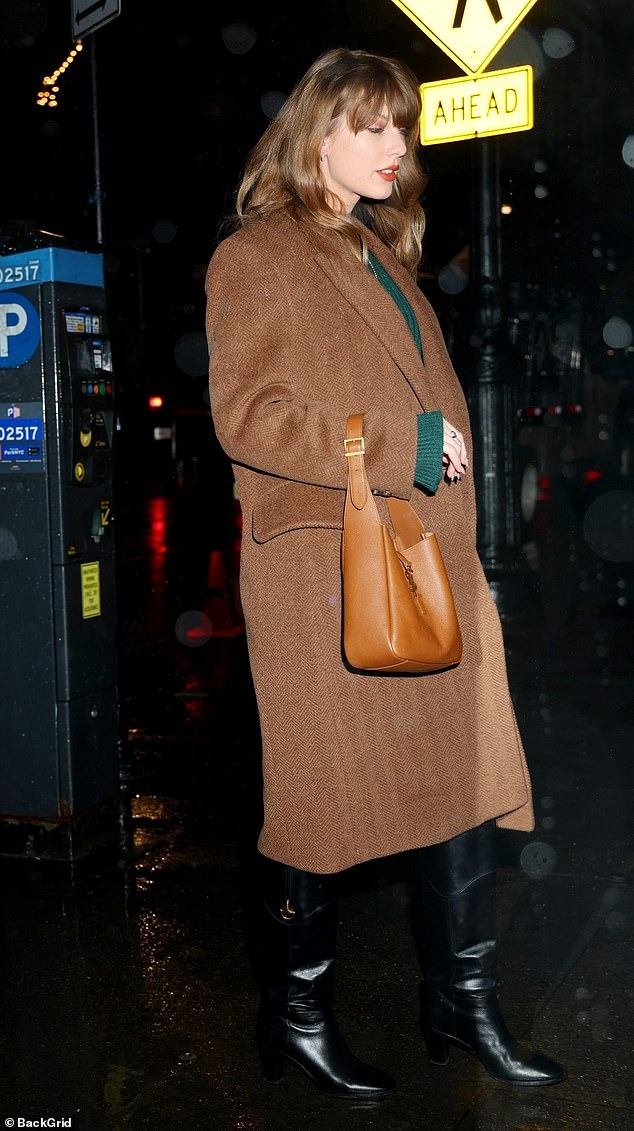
{"x":388,"y":173}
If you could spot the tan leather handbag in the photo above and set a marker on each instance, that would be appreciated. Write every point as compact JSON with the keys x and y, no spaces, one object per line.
{"x":398,"y":608}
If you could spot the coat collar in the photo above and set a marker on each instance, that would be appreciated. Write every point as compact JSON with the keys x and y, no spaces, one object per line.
{"x":366,"y":295}
{"x":369,"y":298}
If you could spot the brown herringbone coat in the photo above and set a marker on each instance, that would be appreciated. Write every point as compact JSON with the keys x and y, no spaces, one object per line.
{"x":355,"y":766}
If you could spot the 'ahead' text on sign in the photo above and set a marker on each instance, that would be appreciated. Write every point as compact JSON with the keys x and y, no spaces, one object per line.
{"x":492,"y":103}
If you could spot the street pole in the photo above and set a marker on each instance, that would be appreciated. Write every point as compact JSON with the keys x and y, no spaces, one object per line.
{"x":492,"y":397}
{"x":95,"y":138}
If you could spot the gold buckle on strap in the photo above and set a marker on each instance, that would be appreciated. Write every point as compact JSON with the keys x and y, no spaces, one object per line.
{"x":360,"y":451}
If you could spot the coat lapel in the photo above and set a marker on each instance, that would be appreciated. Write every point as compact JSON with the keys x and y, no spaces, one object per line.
{"x":383,"y":318}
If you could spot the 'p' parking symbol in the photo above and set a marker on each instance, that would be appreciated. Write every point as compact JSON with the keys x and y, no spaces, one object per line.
{"x":19,"y":330}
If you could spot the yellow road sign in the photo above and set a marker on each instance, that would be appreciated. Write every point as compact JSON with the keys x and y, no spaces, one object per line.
{"x":497,"y":102}
{"x":471,"y":32}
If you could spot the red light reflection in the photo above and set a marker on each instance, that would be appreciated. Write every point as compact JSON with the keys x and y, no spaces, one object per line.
{"x":157,"y":510}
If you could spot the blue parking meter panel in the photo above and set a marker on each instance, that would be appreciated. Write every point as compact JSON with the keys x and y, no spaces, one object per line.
{"x":58,"y":762}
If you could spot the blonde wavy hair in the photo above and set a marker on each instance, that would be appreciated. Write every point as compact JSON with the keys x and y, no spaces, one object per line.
{"x":283,"y":168}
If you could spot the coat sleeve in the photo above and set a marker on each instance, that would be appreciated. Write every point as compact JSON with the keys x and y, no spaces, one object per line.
{"x":262,"y":416}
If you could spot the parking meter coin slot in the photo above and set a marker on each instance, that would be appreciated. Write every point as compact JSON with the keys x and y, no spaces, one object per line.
{"x":85,"y":427}
{"x":92,"y":453}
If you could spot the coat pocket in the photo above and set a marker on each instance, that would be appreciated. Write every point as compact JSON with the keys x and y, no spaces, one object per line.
{"x":296,"y":506}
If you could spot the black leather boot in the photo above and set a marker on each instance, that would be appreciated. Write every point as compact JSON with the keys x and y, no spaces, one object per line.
{"x":295,"y":1020}
{"x":459,"y":1001}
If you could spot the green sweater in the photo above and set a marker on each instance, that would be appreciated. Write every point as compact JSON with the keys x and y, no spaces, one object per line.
{"x":428,"y":470}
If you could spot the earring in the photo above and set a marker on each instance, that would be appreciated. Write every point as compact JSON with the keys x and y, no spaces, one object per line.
{"x":323,"y":157}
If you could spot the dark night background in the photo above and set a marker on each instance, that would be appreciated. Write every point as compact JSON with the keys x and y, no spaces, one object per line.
{"x":184,"y":90}
{"x":129,"y":1001}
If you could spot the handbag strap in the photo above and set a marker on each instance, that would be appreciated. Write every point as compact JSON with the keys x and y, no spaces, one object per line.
{"x":354,"y":445}
{"x":408,"y":528}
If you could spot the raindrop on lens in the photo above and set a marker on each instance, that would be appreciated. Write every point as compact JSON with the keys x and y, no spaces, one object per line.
{"x":617,"y":333}
{"x":271,"y":102}
{"x":612,"y":896}
{"x":193,"y":629}
{"x":538,"y":859}
{"x":164,"y":231}
{"x":191,"y":354}
{"x":557,"y":43}
{"x":522,"y":47}
{"x":239,"y":38}
{"x":452,"y":279}
{"x":608,"y":526}
{"x":628,"y":150}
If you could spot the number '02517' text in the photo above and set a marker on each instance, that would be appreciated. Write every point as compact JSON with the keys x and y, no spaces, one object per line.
{"x":21,"y":273}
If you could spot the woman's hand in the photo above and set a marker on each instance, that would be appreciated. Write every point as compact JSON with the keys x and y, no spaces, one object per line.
{"x":454,"y":453}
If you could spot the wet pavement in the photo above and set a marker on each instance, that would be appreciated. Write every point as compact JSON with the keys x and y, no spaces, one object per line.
{"x":128,"y":997}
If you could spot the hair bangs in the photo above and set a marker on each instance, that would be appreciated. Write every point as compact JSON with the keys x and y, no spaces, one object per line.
{"x":376,"y":92}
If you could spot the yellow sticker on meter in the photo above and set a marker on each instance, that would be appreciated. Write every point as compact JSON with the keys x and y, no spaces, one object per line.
{"x":90,"y":590}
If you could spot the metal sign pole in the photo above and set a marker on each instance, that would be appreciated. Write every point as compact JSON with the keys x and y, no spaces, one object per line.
{"x":491,"y":390}
{"x":96,"y":147}
{"x":86,"y":17}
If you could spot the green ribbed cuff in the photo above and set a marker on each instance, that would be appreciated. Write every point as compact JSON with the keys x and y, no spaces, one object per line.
{"x":428,"y":471}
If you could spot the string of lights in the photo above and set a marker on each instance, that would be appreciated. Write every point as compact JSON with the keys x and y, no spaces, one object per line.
{"x":47,"y":96}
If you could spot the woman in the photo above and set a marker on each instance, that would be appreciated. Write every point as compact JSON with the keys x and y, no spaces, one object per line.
{"x":313,"y":313}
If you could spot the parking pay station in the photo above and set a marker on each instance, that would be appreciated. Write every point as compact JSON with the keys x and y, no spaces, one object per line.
{"x":59,"y":730}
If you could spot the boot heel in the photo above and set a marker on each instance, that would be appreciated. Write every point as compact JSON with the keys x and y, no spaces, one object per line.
{"x":437,"y":1048}
{"x":272,"y":1065}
